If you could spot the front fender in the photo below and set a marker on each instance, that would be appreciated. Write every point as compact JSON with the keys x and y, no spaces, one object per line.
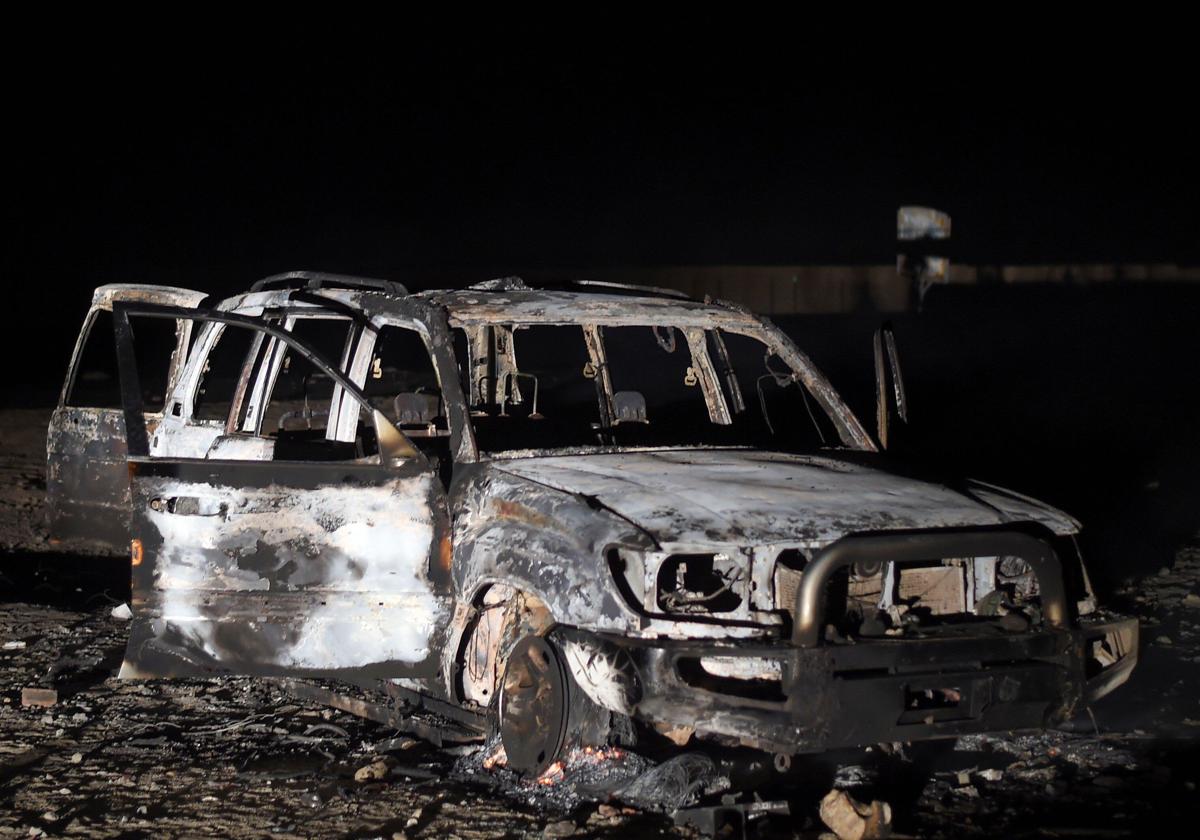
{"x":543,"y":541}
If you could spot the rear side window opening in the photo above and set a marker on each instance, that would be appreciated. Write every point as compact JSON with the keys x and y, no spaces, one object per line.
{"x":261,"y":388}
{"x":94,"y":379}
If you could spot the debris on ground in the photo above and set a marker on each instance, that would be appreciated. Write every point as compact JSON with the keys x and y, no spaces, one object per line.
{"x":376,"y":770}
{"x":850,"y":819}
{"x":728,"y":819}
{"x":44,"y":697}
{"x":676,"y":782}
{"x":561,"y":828}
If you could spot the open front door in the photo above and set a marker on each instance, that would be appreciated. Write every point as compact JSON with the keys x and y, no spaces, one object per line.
{"x":290,"y":548}
{"x":87,"y":489}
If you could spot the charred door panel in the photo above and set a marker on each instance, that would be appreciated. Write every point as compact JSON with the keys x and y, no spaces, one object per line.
{"x":326,"y":564}
{"x":87,"y":486}
{"x":261,"y":568}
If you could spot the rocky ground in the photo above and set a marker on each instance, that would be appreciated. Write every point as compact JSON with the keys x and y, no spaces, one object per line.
{"x":241,"y":757}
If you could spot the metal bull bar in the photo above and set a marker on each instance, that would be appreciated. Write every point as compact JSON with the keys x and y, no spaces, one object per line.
{"x":887,"y":548}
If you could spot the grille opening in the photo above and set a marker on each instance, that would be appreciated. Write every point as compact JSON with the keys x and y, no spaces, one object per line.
{"x":789,"y":569}
{"x":893,"y":599}
{"x":692,"y":671}
{"x":700,"y":583}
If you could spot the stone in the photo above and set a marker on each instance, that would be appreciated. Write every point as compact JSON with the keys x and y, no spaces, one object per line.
{"x":678,"y":735}
{"x":850,"y":819}
{"x":43,"y":697}
{"x":377,"y":769}
{"x":414,"y":819}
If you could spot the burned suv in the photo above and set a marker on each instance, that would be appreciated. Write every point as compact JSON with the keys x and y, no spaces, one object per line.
{"x":572,"y":515}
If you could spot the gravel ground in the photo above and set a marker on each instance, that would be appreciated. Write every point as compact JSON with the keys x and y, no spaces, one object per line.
{"x":240,"y":757}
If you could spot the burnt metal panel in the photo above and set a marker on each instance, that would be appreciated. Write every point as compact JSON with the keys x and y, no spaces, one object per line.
{"x":257,"y":567}
{"x":855,"y":695}
{"x":87,"y":485}
{"x":251,"y":567}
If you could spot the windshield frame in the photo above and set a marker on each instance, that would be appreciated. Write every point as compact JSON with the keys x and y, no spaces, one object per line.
{"x":693,"y":323}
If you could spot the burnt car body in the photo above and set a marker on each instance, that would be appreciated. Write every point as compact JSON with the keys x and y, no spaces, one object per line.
{"x":574,"y":516}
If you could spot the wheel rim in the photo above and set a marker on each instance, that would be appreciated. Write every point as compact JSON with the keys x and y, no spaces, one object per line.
{"x":533,"y":706}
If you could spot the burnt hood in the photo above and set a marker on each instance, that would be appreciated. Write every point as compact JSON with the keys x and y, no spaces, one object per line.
{"x":748,"y":497}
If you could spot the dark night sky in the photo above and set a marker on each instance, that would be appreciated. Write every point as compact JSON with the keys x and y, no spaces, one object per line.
{"x":216,"y":161}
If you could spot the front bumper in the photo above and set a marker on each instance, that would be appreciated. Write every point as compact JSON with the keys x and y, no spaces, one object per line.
{"x":783,"y":698}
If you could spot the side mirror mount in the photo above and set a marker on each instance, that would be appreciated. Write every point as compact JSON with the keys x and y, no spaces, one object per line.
{"x":393,"y":444}
{"x":889,"y":384}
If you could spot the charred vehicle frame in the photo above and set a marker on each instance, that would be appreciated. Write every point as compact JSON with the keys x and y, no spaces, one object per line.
{"x":443,"y":528}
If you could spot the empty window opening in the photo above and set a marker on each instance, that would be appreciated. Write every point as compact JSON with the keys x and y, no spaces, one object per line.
{"x":95,"y":382}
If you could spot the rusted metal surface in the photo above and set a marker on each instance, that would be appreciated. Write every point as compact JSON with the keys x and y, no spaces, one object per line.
{"x":685,"y":588}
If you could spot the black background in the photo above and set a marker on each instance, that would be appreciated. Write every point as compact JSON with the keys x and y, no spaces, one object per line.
{"x":204,"y":154}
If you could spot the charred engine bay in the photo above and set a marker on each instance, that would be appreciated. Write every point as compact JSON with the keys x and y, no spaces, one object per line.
{"x":246,"y":757}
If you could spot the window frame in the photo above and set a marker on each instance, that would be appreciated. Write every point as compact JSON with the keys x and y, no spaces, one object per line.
{"x":393,"y":444}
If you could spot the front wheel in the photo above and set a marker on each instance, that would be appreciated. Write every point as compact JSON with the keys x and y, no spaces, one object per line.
{"x":535,"y":705}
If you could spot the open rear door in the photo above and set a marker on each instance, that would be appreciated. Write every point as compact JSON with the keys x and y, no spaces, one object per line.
{"x":87,"y":488}
{"x":285,"y":553}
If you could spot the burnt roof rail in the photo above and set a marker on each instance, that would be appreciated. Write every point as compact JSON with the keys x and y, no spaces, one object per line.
{"x":323,"y":280}
{"x":609,"y":285}
{"x":517,"y":284}
{"x":886,"y":548}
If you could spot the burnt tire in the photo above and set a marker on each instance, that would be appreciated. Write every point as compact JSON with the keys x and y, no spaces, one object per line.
{"x":534,"y":705}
